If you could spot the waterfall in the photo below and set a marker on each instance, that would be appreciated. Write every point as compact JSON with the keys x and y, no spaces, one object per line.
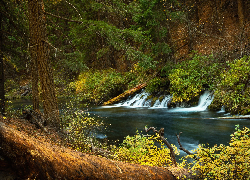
{"x":141,"y":100}
{"x":163,"y":103}
{"x":204,"y":101}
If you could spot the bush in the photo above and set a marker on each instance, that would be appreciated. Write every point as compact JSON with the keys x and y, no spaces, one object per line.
{"x":140,"y":149}
{"x":225,"y":162}
{"x":190,"y":77}
{"x":157,"y":85}
{"x":234,"y":88}
{"x":100,"y":86}
{"x":81,"y":128}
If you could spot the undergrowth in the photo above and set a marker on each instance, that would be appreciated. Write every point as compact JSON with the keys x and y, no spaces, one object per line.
{"x":81,"y":128}
{"x":224,"y":162}
{"x":234,"y":88}
{"x":100,"y":86}
{"x":144,"y":150}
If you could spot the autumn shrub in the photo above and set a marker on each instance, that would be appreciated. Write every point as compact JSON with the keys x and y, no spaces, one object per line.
{"x":80,"y":127}
{"x":190,"y":77}
{"x":100,"y":86}
{"x":234,"y":88}
{"x":140,"y":149}
{"x":225,"y":162}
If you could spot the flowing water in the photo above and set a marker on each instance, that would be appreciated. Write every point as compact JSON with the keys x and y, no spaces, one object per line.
{"x":197,"y":124}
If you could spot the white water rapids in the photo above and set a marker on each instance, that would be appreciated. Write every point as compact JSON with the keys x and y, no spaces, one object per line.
{"x":141,"y":100}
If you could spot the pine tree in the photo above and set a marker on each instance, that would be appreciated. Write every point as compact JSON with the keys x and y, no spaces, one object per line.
{"x":40,"y":55}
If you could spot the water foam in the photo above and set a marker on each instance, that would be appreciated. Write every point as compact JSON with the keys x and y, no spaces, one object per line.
{"x":141,"y":100}
{"x":204,"y":101}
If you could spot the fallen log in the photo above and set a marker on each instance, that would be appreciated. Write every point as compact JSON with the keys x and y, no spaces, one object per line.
{"x":33,"y":158}
{"x":125,"y":94}
{"x":235,"y":117}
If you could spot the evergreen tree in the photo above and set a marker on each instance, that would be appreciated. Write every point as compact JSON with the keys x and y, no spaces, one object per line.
{"x":40,"y":55}
{"x":2,"y":92}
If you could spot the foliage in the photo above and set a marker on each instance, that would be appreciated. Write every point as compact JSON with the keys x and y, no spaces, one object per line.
{"x":11,"y":89}
{"x":225,"y":162}
{"x":151,"y":17}
{"x":81,"y":128}
{"x":135,"y":29}
{"x":140,"y":149}
{"x":157,"y":85}
{"x":190,"y":77}
{"x":14,"y":29}
{"x":87,"y":35}
{"x":234,"y":88}
{"x":100,"y":86}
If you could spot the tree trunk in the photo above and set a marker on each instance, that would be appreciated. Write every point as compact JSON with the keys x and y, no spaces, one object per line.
{"x":35,"y":158}
{"x":34,"y":70}
{"x":2,"y":93}
{"x":241,"y":13}
{"x":242,"y":23}
{"x":41,"y":56}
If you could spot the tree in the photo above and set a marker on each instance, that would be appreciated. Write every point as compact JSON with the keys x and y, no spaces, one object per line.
{"x":241,"y":13}
{"x":2,"y":98}
{"x":13,"y":45}
{"x":40,"y":62}
{"x":34,"y":72}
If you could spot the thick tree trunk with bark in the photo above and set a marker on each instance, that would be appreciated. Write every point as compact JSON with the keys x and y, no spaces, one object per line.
{"x":33,"y":157}
{"x":34,"y":73}
{"x":2,"y":97}
{"x":40,"y":53}
{"x":241,"y":13}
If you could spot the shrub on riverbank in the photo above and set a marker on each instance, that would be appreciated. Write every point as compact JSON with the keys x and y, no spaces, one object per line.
{"x":100,"y":86}
{"x":80,"y":127}
{"x":234,"y":89}
{"x":225,"y":162}
{"x":189,"y":78}
{"x":140,"y":149}
{"x":217,"y":162}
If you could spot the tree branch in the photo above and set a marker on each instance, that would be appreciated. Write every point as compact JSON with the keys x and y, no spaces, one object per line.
{"x":74,"y":8}
{"x":161,"y":134}
{"x":182,"y":148}
{"x":57,"y":49}
{"x":66,"y":19}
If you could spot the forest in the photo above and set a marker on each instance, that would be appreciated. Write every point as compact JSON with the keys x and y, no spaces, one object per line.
{"x":100,"y":52}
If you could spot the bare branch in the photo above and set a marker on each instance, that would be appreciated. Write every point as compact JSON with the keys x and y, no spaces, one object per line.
{"x":182,"y":148}
{"x":161,"y":134}
{"x":57,"y":49}
{"x":66,"y":19}
{"x":74,"y":8}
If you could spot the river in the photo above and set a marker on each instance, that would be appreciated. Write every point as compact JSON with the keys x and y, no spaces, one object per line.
{"x":197,"y":124}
